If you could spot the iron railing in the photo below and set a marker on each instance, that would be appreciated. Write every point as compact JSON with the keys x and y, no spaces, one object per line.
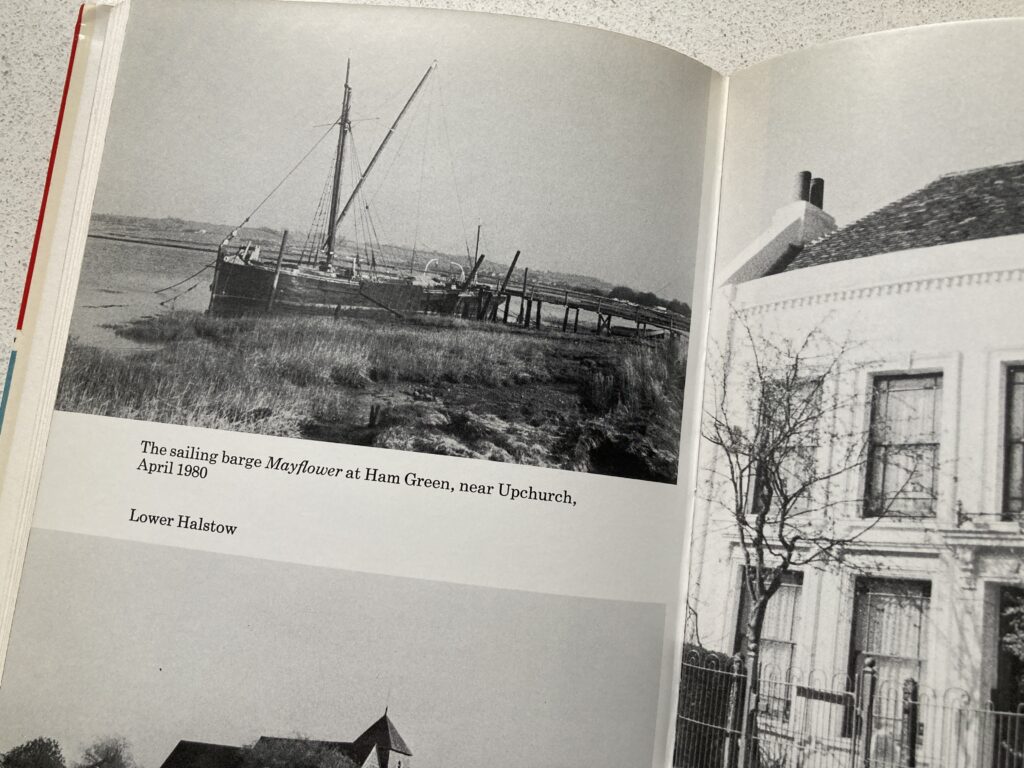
{"x":810,"y":720}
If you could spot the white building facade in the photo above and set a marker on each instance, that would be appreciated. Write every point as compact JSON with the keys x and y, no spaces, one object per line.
{"x":927,"y":296}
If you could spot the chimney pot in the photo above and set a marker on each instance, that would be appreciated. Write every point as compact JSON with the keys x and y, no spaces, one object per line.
{"x":818,"y":192}
{"x":802,"y":186}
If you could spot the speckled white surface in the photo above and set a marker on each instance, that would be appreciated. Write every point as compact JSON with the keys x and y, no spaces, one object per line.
{"x":35,"y":38}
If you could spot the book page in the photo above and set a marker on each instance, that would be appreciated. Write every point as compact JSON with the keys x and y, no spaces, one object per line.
{"x":367,"y":441}
{"x":855,"y":574}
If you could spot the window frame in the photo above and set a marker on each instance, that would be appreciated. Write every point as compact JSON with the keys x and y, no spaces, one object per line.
{"x":812,"y":445}
{"x":1009,"y":372}
{"x":772,"y":706}
{"x":870,"y":507}
{"x":861,"y":588}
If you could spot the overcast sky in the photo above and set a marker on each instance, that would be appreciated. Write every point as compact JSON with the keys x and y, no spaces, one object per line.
{"x":158,"y":644}
{"x":877,"y":117}
{"x":581,"y":148}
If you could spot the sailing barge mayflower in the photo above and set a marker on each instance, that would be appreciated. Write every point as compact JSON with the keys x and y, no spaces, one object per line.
{"x":326,"y":283}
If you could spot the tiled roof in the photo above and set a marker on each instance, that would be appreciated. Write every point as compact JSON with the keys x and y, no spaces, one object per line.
{"x":970,"y":205}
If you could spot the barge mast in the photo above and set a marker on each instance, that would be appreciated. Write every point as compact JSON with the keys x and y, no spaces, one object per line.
{"x":334,"y":220}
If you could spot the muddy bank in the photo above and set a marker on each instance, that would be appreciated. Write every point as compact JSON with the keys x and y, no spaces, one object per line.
{"x":434,"y":385}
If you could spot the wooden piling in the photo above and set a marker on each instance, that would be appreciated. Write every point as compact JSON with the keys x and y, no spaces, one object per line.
{"x":576,"y":321}
{"x":522,"y":298}
{"x":540,"y":304}
{"x":277,"y":271}
{"x":503,"y":286}
{"x":485,"y":305}
{"x":472,"y":273}
{"x":565,"y":319}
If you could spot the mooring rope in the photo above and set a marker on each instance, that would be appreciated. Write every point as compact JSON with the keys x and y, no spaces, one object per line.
{"x":177,"y":296}
{"x":194,"y":274}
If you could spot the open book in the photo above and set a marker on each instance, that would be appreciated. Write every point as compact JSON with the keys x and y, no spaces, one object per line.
{"x":405,"y":387}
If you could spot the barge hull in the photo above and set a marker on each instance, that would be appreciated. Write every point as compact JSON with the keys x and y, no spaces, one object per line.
{"x":240,"y":289}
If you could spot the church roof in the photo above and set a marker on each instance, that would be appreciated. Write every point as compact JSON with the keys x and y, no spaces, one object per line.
{"x":351,"y":754}
{"x":198,"y":754}
{"x":384,"y":734}
{"x":969,"y":205}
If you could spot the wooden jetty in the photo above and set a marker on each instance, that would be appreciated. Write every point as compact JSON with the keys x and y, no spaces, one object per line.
{"x":646,"y":321}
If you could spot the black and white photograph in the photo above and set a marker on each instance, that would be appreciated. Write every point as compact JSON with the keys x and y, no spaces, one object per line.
{"x":145,"y":656}
{"x":856,"y":588}
{"x":459,"y":234}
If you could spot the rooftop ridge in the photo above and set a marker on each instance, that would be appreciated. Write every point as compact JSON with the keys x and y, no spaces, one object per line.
{"x":973,"y":204}
{"x":967,"y":171}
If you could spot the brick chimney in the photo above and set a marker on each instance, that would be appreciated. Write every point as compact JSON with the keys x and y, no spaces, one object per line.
{"x":792,"y":227}
{"x":802,"y":186}
{"x":817,"y":198}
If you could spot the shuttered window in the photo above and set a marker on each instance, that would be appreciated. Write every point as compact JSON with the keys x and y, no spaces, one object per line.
{"x":903,"y":453}
{"x":1013,"y":469}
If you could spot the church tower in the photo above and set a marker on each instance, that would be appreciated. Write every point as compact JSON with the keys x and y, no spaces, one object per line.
{"x":383,"y":738}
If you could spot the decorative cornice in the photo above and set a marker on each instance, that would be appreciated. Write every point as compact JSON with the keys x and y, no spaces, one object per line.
{"x":917,"y":538}
{"x":916,"y":285}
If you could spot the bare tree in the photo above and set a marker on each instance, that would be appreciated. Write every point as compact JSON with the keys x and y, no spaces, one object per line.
{"x":108,"y":752}
{"x":296,"y":752}
{"x":790,"y":449}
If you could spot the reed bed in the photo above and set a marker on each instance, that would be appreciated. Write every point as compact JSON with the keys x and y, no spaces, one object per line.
{"x":433,"y":384}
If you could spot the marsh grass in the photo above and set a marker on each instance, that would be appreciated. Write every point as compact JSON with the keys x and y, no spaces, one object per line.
{"x":280,"y":375}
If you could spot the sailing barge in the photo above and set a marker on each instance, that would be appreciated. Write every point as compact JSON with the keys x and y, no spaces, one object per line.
{"x":254,"y":287}
{"x":326,"y":283}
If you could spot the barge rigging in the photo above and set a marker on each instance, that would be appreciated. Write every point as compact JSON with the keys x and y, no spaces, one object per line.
{"x":326,"y":283}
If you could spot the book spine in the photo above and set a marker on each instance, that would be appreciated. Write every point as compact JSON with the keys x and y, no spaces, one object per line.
{"x":49,"y":170}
